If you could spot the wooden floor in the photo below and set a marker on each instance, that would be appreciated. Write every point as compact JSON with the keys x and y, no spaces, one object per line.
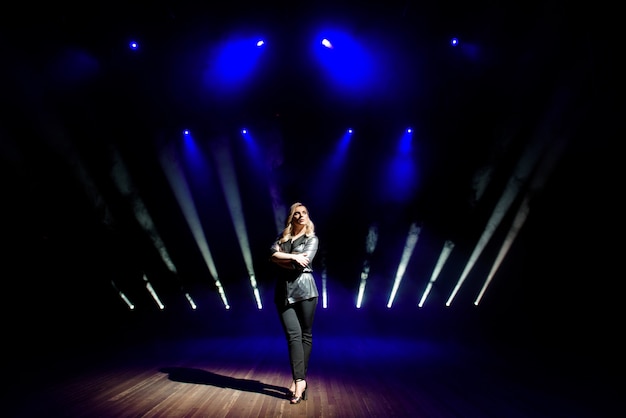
{"x":355,"y":375}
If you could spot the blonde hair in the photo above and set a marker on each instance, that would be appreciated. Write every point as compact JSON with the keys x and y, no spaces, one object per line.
{"x":309,"y":228}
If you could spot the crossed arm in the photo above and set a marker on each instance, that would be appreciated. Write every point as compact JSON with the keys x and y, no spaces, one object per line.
{"x":290,"y":261}
{"x":293,"y":261}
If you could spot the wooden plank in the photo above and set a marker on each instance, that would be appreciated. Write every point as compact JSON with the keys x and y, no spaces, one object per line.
{"x":247,"y":377}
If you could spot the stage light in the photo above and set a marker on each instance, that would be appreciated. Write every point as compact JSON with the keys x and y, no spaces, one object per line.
{"x":186,"y":132}
{"x":490,"y":229}
{"x":122,"y":179}
{"x":190,"y":300}
{"x":254,"y":151}
{"x":348,"y":62}
{"x":340,"y":154}
{"x":153,"y":293}
{"x":540,"y":175}
{"x":332,"y":172}
{"x":182,"y":192}
{"x":407,"y":253}
{"x":130,"y":305}
{"x":524,"y":169}
{"x":324,"y":284}
{"x":370,"y":246}
{"x":454,"y":42}
{"x":232,"y":64}
{"x":519,"y":220}
{"x":443,"y":257}
{"x":404,"y":146}
{"x":133,"y":45}
{"x":260,"y":43}
{"x":400,"y":176}
{"x":228,"y":178}
{"x":255,"y":290}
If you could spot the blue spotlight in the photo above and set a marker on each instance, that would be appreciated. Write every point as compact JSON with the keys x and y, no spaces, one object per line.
{"x":454,"y":41}
{"x":350,"y":130}
{"x":260,"y":43}
{"x":186,"y":132}
{"x":232,"y":64}
{"x":404,"y":146}
{"x":347,"y":62}
{"x":400,"y":178}
{"x":133,"y":45}
{"x":253,"y":149}
{"x":193,"y":156}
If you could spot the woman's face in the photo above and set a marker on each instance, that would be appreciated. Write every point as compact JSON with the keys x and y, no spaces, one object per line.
{"x":300,"y":216}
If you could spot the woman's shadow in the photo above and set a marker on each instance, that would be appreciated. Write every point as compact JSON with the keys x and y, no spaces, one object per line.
{"x":203,"y":377}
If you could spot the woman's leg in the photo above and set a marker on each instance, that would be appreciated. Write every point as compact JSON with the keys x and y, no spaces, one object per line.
{"x":297,"y":322}
{"x":293,"y":332}
{"x":306,"y":313}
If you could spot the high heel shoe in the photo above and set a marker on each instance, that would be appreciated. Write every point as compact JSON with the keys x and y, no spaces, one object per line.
{"x":297,"y":399}
{"x":291,"y":393}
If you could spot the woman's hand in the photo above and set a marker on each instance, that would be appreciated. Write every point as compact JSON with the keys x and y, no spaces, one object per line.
{"x":301,"y":259}
{"x":290,"y":260}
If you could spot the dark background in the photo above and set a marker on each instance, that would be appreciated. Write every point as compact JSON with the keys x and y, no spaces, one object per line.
{"x":524,"y":74}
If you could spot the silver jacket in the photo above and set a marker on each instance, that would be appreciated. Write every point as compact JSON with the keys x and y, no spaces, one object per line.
{"x":294,"y":285}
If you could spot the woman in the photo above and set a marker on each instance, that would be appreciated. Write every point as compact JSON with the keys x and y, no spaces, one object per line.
{"x":296,"y":292}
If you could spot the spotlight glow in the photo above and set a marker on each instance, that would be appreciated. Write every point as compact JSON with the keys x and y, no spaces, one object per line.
{"x":443,"y":257}
{"x":522,"y":172}
{"x":405,"y":144}
{"x":540,"y":175}
{"x":519,"y":220}
{"x":370,"y":246}
{"x":255,"y":290}
{"x":180,"y":187}
{"x":122,"y":179}
{"x":130,"y":305}
{"x":190,"y":300}
{"x":232,"y":64}
{"x":324,"y":285}
{"x":153,"y":293}
{"x":409,"y":246}
{"x":492,"y":224}
{"x":348,"y":62}
{"x":228,"y":179}
{"x":400,"y":176}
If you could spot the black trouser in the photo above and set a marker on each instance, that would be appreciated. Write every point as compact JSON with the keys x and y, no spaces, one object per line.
{"x":297,"y":321}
